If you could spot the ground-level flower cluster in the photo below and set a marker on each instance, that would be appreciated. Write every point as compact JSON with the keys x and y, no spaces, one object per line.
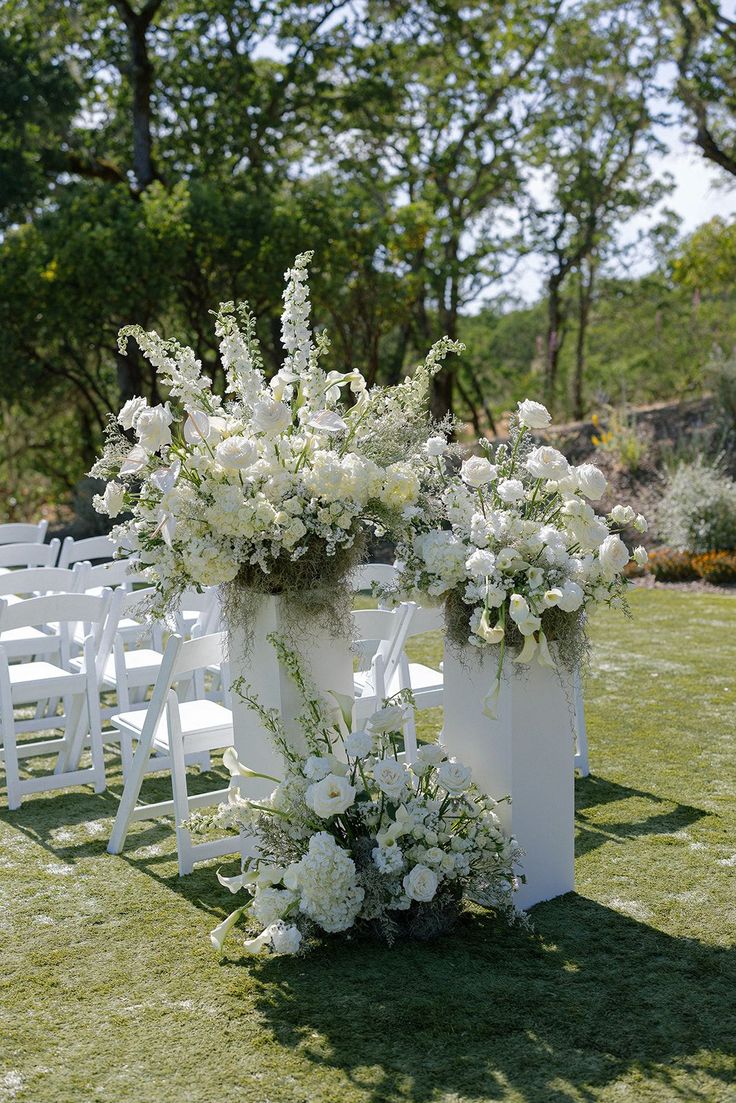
{"x":354,"y":837}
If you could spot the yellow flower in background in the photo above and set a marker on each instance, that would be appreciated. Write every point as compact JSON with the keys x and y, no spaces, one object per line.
{"x":50,"y":271}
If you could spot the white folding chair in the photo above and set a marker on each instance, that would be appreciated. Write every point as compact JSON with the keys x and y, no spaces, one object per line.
{"x":23,"y":534}
{"x":176,"y":730}
{"x":581,"y":734}
{"x":21,"y":556}
{"x":93,"y":547}
{"x":378,"y":638}
{"x":22,"y":684}
{"x":16,"y":586}
{"x":426,"y":683}
{"x":125,"y":574}
{"x":367,"y":574}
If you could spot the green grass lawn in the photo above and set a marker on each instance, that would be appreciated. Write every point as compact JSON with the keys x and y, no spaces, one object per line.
{"x":624,"y":993}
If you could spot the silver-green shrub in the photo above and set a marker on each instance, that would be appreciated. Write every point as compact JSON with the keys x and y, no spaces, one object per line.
{"x":697,"y":512}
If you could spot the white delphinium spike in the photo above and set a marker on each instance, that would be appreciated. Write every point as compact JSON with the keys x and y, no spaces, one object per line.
{"x":240,"y":352}
{"x":176,"y":365}
{"x":296,"y":335}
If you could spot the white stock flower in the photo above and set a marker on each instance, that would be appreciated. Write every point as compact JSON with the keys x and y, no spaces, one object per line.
{"x":152,"y":427}
{"x":270,"y":417}
{"x":421,"y":883}
{"x":435,"y":446}
{"x":476,"y":471}
{"x":640,"y":555}
{"x":613,"y":555}
{"x":390,"y":777}
{"x":510,"y":490}
{"x":235,"y":453}
{"x":591,"y":481}
{"x":112,"y":499}
{"x":454,"y":777}
{"x":533,"y":414}
{"x":130,"y":411}
{"x":547,"y":463}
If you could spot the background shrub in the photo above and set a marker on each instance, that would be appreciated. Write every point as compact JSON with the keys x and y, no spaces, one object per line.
{"x":697,"y":512}
{"x":672,"y":566}
{"x":716,"y":567}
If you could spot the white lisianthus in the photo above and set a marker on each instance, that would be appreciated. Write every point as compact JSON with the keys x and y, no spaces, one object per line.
{"x":510,"y":490}
{"x":533,"y":415}
{"x":331,"y":796}
{"x":270,"y":417}
{"x":613,"y":555}
{"x":435,"y":446}
{"x":130,"y":411}
{"x":622,"y":515}
{"x":477,"y":471}
{"x":590,"y":481}
{"x":454,"y":777}
{"x":152,"y":427}
{"x":112,"y":500}
{"x":359,"y":744}
{"x":391,"y":777}
{"x":235,"y":453}
{"x":640,"y":556}
{"x":547,"y":463}
{"x":421,"y":883}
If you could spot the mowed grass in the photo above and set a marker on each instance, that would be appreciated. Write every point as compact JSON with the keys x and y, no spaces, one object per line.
{"x":624,"y":993}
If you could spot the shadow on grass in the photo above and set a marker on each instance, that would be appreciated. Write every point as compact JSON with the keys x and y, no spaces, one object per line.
{"x":648,"y":814}
{"x":553,"y":1017}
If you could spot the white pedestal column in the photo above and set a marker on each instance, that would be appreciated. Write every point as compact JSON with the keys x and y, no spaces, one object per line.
{"x":527,"y":752}
{"x":327,"y":661}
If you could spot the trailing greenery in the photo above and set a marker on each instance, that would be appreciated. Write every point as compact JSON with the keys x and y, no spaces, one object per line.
{"x":111,"y":992}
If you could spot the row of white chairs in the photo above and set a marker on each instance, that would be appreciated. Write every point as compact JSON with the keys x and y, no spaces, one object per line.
{"x":19,"y":548}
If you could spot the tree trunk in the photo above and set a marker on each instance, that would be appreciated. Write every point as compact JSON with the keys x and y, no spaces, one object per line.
{"x":554,"y":325}
{"x":140,"y":71}
{"x":585,"y":296}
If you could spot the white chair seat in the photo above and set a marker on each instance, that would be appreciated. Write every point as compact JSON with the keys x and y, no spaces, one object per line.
{"x":205,"y":725}
{"x":28,"y":641}
{"x":421,"y":678}
{"x":32,"y":681}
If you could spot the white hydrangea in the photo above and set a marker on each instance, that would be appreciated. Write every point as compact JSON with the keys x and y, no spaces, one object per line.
{"x":326,"y":879}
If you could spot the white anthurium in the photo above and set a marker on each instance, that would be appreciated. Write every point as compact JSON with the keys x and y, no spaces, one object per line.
{"x":135,"y":461}
{"x":327,"y":421}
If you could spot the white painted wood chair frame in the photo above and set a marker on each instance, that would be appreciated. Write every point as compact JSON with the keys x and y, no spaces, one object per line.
{"x":92,"y":547}
{"x":181,"y":659}
{"x":23,"y":683}
{"x":425,"y":619}
{"x":15,"y":586}
{"x":380,"y":635}
{"x":15,"y":533}
{"x":22,"y":556}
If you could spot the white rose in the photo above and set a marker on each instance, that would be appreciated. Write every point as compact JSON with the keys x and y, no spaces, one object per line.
{"x":477,"y":471}
{"x":510,"y":490}
{"x":112,"y":499}
{"x":640,"y":523}
{"x":571,"y":597}
{"x":533,"y":414}
{"x":430,"y":754}
{"x":390,"y":777}
{"x":547,"y":463}
{"x":130,"y":412}
{"x":359,"y":744}
{"x":388,"y":719}
{"x":622,"y":515}
{"x":270,"y":417}
{"x":454,"y":777}
{"x":236,"y":453}
{"x":435,"y":446}
{"x":613,"y":555}
{"x":640,"y":555}
{"x":591,"y":481}
{"x":434,"y":855}
{"x":152,"y":427}
{"x":421,"y":883}
{"x":330,"y":797}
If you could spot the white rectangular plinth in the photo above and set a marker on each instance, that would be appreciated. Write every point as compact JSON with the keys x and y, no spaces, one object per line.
{"x":526,"y":752}
{"x":325,"y":659}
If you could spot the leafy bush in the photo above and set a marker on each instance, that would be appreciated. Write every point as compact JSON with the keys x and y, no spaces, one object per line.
{"x":697,"y":512}
{"x":621,"y":438}
{"x":716,"y":567}
{"x":672,"y":566}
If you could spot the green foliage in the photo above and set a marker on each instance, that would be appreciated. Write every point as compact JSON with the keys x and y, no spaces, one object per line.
{"x":697,"y":512}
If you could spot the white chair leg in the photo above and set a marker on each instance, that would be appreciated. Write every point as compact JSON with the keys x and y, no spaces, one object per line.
{"x":180,"y":795}
{"x":581,"y":735}
{"x":95,"y":735}
{"x":10,"y":750}
{"x":129,"y":799}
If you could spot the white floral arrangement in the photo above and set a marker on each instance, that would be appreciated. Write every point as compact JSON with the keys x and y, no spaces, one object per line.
{"x":272,"y":477}
{"x":513,"y":546}
{"x":353,"y":839}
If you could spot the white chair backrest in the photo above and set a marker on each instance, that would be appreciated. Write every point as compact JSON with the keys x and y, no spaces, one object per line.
{"x":23,"y":534}
{"x":206,"y":605}
{"x":94,"y":547}
{"x":118,"y":572}
{"x":61,"y":609}
{"x":29,"y":555}
{"x":199,"y":653}
{"x":388,"y":630}
{"x":363,"y":577}
{"x":427,"y":618}
{"x":43,"y":580}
